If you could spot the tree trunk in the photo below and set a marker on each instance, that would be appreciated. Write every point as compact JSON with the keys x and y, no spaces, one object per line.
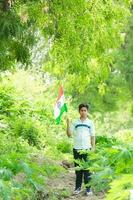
{"x":7,"y":5}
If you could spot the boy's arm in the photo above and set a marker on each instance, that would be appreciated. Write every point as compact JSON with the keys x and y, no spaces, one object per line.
{"x":93,"y":142}
{"x":69,"y":134}
{"x":93,"y":136}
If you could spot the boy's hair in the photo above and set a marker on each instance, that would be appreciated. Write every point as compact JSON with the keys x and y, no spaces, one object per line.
{"x":83,"y":105}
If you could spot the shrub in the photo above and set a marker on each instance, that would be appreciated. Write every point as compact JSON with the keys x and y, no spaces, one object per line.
{"x":64,"y":146}
{"x":26,"y":128}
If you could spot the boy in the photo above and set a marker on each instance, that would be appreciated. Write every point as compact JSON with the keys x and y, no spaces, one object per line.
{"x":83,"y":132}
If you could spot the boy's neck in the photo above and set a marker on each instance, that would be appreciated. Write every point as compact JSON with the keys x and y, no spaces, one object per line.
{"x":83,"y":118}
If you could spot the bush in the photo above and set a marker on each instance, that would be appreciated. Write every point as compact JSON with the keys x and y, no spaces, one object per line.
{"x":120,"y":188}
{"x":11,"y":144}
{"x":126,"y":135}
{"x":26,"y":128}
{"x":103,"y":140}
{"x":111,"y":160}
{"x":6,"y":100}
{"x":64,"y":146}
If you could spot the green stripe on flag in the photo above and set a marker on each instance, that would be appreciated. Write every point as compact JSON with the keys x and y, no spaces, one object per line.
{"x":63,"y":109}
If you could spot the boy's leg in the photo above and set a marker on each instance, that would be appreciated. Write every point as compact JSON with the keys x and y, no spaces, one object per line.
{"x":87,"y":174}
{"x":87,"y":178}
{"x":79,"y":173}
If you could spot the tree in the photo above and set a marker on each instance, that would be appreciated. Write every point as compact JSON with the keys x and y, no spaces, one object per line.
{"x":125,"y":59}
{"x":86,"y":37}
{"x":18,"y":22}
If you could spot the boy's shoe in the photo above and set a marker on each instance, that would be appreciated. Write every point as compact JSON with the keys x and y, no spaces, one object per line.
{"x":77,"y":191}
{"x":89,"y":192}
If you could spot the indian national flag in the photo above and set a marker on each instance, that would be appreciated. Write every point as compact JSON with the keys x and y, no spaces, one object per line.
{"x":60,"y":105}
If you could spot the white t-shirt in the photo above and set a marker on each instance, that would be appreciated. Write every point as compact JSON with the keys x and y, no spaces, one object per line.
{"x":82,"y":131}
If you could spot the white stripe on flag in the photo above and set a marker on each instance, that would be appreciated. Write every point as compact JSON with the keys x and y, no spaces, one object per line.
{"x":58,"y":106}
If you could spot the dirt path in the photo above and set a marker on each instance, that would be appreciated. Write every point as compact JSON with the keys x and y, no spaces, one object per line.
{"x":64,"y":186}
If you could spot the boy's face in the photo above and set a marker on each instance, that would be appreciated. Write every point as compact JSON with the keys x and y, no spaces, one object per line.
{"x":83,"y":112}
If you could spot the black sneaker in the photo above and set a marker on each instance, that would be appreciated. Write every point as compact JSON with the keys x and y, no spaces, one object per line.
{"x":89,"y":192}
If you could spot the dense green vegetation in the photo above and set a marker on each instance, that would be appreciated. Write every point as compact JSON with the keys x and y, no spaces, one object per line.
{"x":87,"y":46}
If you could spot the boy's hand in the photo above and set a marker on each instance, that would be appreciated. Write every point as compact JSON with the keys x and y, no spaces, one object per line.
{"x":68,"y":127}
{"x":93,"y":149}
{"x":68,"y":121}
